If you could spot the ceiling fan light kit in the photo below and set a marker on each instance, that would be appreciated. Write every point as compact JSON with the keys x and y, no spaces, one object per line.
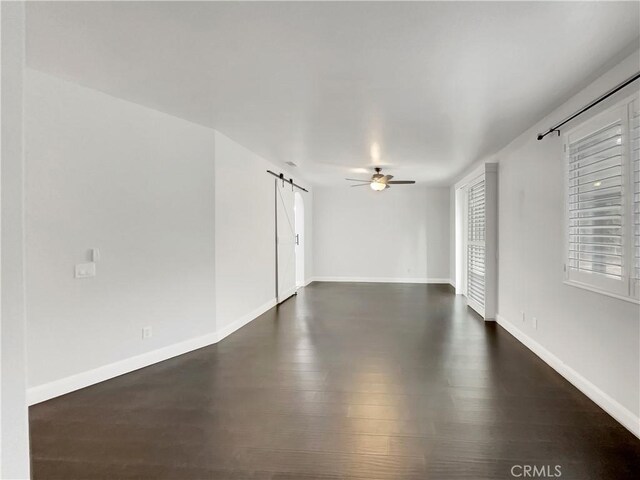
{"x":379,"y":182}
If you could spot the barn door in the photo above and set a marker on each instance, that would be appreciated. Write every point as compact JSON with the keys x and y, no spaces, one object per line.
{"x":285,"y":241}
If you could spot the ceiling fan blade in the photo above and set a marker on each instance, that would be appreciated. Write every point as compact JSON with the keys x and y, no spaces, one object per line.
{"x":384,"y":179}
{"x":402,"y":182}
{"x":357,"y":180}
{"x":360,"y":184}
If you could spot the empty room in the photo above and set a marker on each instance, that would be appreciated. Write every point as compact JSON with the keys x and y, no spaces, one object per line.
{"x":319,"y":240}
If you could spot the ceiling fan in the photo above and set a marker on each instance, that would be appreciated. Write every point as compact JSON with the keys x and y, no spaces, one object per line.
{"x":379,"y":181}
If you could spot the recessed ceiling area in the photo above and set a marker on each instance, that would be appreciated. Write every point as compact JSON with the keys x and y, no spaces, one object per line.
{"x":423,"y":89}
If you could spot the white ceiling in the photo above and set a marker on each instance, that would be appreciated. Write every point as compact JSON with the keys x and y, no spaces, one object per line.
{"x":430,"y":86}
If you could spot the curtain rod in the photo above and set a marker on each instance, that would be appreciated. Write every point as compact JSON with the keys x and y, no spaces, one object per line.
{"x":591,"y":105}
{"x":290,"y":180}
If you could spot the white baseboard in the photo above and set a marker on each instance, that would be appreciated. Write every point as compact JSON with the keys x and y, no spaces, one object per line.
{"x":242,"y":321}
{"x":69,"y":384}
{"x":381,"y":280}
{"x":56,"y":388}
{"x":622,"y":414}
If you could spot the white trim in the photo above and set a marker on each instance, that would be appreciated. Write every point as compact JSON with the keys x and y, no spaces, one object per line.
{"x":69,"y":384}
{"x":619,"y":412}
{"x":242,"y":321}
{"x":56,"y":388}
{"x":382,"y":280}
{"x":584,"y":286}
{"x":459,"y":232}
{"x":473,"y":174}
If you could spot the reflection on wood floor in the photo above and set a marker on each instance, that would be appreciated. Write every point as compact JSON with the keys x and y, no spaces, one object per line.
{"x":367,"y":381}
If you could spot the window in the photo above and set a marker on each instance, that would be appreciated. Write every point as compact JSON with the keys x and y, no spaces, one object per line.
{"x":603,"y":202}
{"x":634,"y":129}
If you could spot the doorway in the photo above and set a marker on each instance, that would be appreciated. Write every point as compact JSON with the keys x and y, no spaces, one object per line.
{"x":476,"y":217}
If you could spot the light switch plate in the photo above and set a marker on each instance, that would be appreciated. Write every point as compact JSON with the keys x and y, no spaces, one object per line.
{"x":85,"y":270}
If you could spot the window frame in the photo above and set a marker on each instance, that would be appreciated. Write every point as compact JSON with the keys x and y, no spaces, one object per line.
{"x":623,"y":289}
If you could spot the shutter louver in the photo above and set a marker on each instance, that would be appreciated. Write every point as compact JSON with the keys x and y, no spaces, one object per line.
{"x":596,"y":207}
{"x":634,"y":134}
{"x":476,"y":244}
{"x":603,"y":202}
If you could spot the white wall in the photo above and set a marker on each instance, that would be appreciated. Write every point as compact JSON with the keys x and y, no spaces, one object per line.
{"x":14,"y":437}
{"x":593,"y":338}
{"x":401,"y":234}
{"x":245,"y":233}
{"x":184,"y":220}
{"x":139,"y":185}
{"x":309,"y":267}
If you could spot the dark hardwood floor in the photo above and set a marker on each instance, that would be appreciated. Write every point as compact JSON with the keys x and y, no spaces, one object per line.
{"x":344,"y":381}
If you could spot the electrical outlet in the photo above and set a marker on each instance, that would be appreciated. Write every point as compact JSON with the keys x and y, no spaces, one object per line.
{"x":147,"y":332}
{"x":534,"y":322}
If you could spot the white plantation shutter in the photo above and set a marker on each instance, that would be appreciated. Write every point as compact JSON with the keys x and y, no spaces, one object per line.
{"x":596,"y":207}
{"x":476,"y":247}
{"x":634,"y":143}
{"x":603,"y":202}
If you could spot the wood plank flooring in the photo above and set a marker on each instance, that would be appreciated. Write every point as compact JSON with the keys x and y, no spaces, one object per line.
{"x":344,"y":381}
